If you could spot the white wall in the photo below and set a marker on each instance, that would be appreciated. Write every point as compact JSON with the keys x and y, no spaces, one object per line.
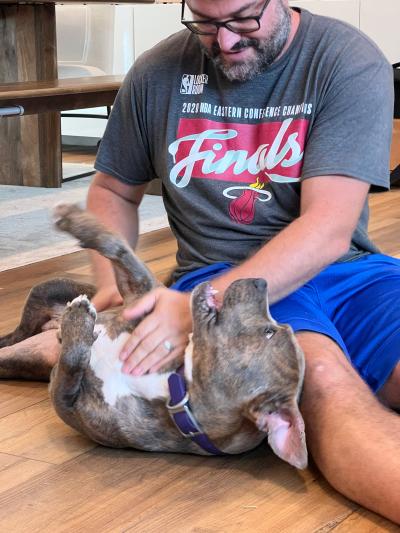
{"x":347,"y":10}
{"x":379,"y":19}
{"x":153,"y":23}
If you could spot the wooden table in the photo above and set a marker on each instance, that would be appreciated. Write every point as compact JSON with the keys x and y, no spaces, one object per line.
{"x":30,"y":146}
{"x":60,"y":94}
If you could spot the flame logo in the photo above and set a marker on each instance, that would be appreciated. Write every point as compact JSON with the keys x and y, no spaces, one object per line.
{"x":242,"y":208}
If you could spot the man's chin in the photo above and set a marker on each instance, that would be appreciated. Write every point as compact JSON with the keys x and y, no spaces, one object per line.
{"x":238,"y":70}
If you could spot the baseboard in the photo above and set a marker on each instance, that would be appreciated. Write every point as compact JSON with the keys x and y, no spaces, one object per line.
{"x":76,"y":140}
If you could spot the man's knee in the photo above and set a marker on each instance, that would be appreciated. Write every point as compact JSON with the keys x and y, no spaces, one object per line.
{"x":321,"y":352}
{"x":313,"y":344}
{"x":327,"y":367}
{"x":390,"y":392}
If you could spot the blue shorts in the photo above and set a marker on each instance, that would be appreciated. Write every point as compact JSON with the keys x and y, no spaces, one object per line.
{"x":356,"y":303}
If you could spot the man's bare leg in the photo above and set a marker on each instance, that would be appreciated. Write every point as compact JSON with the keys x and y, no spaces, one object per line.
{"x":354,"y":439}
{"x":32,"y":358}
{"x":390,"y":392}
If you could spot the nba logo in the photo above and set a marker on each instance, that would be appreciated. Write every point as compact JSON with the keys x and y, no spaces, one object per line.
{"x":187,"y":84}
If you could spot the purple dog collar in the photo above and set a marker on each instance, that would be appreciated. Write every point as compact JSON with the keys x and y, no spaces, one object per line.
{"x":181,"y":415}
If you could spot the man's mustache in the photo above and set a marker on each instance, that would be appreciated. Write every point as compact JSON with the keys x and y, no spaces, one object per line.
{"x":240,"y":45}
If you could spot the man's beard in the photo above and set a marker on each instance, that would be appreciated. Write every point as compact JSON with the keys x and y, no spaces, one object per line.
{"x":267,"y":50}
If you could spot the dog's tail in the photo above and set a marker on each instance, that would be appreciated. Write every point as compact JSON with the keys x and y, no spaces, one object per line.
{"x":45,"y":302}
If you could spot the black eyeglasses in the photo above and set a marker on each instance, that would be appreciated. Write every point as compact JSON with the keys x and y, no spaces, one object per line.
{"x":236,"y":25}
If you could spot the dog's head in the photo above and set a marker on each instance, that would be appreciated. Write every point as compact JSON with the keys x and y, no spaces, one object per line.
{"x":249,"y":366}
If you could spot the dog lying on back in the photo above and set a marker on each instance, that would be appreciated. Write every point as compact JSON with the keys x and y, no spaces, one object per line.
{"x":243,"y":371}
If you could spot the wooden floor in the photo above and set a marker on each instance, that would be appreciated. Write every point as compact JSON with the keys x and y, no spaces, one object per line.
{"x":52,"y":479}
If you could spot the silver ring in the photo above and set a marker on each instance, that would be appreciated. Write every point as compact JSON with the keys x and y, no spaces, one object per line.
{"x":168,"y":346}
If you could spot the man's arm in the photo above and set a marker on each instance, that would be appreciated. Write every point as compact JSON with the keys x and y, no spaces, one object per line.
{"x":330,"y":209}
{"x":329,"y":212}
{"x":116,"y":205}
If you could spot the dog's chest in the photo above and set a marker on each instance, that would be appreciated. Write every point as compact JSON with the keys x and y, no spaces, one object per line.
{"x":106,"y":365}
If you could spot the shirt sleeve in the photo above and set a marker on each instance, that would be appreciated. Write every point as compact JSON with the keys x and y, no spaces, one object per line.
{"x":351,"y":134}
{"x":124,"y":149}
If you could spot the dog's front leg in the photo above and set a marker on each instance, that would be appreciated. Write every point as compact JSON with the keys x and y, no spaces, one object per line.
{"x":77,"y":338}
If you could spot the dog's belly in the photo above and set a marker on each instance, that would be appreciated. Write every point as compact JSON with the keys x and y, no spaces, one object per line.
{"x":106,"y":365}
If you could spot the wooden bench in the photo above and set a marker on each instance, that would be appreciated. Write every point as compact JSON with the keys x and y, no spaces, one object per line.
{"x":31,"y":146}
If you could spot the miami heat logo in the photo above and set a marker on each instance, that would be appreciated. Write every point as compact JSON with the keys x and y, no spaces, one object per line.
{"x":250,"y":156}
{"x":242,"y":208}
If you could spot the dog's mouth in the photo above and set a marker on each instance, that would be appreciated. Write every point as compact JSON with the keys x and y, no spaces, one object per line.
{"x":205,"y":305}
{"x":211,"y":300}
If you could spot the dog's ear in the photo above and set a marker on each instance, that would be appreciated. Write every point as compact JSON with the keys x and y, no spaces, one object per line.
{"x":285,"y":429}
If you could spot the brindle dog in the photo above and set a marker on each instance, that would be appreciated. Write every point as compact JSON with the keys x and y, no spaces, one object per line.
{"x":244,"y":372}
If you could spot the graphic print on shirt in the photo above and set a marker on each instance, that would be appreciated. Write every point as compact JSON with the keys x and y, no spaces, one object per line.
{"x":249,"y":155}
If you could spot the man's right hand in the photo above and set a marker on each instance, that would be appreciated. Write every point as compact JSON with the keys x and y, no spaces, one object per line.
{"x":106,"y":297}
{"x":115,"y":204}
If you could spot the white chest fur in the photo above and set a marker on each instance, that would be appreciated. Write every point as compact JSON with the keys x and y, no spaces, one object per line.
{"x":189,"y":360}
{"x":105,"y":363}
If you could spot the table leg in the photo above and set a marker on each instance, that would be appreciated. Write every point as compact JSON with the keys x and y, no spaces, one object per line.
{"x":30,"y":147}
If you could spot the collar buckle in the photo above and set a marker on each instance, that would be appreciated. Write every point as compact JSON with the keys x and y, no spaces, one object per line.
{"x":179,"y":408}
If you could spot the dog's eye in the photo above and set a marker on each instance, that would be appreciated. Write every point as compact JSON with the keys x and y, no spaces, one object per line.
{"x":269,"y":333}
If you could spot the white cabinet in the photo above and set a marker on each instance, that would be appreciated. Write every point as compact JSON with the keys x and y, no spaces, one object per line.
{"x":380,"y":20}
{"x":346,"y":10}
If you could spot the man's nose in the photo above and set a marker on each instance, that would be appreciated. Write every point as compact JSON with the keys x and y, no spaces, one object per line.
{"x":227,"y":39}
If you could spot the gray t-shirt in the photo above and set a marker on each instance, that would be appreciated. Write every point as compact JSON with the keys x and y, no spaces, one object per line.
{"x":231,"y":156}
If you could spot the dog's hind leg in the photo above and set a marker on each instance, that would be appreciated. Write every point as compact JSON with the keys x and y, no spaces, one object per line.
{"x":45,"y":304}
{"x":133,"y":277}
{"x":77,"y":338}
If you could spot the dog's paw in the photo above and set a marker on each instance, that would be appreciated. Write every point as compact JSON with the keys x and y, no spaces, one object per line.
{"x":78,"y":320}
{"x":64,"y":209}
{"x":83,"y":302}
{"x":63,"y":215}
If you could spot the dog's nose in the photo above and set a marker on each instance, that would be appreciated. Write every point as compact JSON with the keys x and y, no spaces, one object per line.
{"x":260,"y":283}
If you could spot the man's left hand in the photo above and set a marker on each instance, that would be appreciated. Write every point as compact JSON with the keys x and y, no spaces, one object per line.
{"x":161,"y":336}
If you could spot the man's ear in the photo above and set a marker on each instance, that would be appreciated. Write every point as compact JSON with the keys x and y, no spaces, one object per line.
{"x":285,"y":429}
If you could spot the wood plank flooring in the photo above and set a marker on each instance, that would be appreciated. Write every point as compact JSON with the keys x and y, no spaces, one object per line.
{"x":52,"y":479}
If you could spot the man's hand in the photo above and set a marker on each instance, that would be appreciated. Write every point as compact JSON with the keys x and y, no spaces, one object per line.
{"x":162,"y":336}
{"x":106,"y":297}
